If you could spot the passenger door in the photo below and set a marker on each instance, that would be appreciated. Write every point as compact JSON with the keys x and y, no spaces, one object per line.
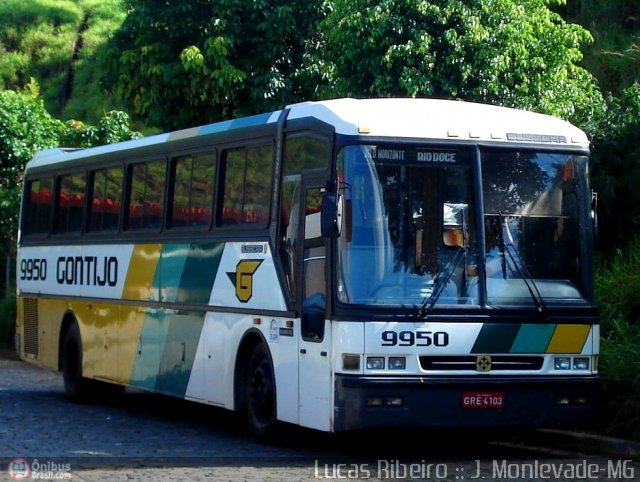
{"x":315,"y":340}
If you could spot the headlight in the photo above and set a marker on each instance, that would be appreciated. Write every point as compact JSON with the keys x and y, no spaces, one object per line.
{"x":375,"y":363}
{"x":562,"y":363}
{"x":580,"y":363}
{"x":397,"y":363}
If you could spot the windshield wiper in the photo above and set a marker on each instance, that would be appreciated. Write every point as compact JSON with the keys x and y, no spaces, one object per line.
{"x":441,"y":281}
{"x":518,"y":264}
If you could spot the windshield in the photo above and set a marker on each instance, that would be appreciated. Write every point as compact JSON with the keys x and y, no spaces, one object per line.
{"x":534,"y":211}
{"x":409,"y":236}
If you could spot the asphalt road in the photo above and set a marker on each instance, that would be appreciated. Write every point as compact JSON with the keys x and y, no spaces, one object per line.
{"x":140,"y":436}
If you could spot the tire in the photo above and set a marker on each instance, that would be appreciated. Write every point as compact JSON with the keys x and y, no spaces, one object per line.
{"x":75,"y":385}
{"x":260,"y":394}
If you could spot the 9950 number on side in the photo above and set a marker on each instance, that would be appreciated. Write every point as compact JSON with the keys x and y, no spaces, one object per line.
{"x":415,"y":338}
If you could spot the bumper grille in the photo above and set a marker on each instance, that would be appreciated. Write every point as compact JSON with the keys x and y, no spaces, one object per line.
{"x":469,"y":362}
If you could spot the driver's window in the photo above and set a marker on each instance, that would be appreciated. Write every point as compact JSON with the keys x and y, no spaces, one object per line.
{"x":302,"y":153}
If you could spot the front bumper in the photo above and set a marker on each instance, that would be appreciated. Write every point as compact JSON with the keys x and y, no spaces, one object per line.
{"x":530,"y":402}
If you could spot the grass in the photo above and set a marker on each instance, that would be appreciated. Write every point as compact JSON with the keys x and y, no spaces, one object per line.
{"x":618,"y":289}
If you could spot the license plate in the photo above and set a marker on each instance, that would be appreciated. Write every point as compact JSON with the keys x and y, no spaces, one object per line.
{"x":482,"y":399}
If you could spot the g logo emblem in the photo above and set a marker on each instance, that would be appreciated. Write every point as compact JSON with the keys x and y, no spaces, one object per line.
{"x":243,"y":278}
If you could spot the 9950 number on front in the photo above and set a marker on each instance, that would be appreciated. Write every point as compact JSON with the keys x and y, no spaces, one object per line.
{"x":415,"y":338}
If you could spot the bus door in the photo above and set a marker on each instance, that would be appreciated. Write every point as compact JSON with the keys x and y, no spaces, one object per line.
{"x":315,"y":341}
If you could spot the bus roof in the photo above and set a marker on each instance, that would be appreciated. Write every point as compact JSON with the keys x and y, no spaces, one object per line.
{"x":386,"y":117}
{"x":440,"y":119}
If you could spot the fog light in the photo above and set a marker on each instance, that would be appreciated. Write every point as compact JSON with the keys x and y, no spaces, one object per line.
{"x":375,"y":363}
{"x":562,"y":363}
{"x":375,"y":402}
{"x":394,"y":401}
{"x":350,"y":361}
{"x":563,"y":401}
{"x":580,"y":363}
{"x":397,"y":363}
{"x":579,"y":400}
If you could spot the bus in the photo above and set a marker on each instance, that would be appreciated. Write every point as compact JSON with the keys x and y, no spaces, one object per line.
{"x":340,"y":265}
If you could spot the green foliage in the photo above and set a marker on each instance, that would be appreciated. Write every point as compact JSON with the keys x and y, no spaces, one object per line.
{"x":615,"y":168}
{"x":508,"y":52}
{"x":617,"y":286}
{"x":223,"y":58}
{"x":88,"y":98}
{"x":7,"y":321}
{"x":57,"y":42}
{"x":39,"y":35}
{"x":614,"y":58}
{"x":113,"y":127}
{"x":25,"y":127}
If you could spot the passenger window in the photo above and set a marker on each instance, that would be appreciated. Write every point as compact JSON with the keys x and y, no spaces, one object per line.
{"x":38,"y":208}
{"x":70,"y":203}
{"x":247,"y":185}
{"x":193,"y":190}
{"x":105,"y":200}
{"x":146,"y":202}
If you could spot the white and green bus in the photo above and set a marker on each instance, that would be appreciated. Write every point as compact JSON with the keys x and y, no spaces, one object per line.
{"x":338,"y":265}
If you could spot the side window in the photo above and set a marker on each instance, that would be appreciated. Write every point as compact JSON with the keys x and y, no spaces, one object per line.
{"x":247,"y":185}
{"x":38,"y":206}
{"x":146,"y":200}
{"x":304,"y":152}
{"x":70,"y":203}
{"x":105,"y":199}
{"x":193,"y":190}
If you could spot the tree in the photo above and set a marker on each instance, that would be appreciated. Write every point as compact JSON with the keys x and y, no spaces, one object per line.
{"x":184,"y":63}
{"x":507,"y":52}
{"x":616,"y":171}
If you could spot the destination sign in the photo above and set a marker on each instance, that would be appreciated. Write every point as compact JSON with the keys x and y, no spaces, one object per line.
{"x":416,"y":155}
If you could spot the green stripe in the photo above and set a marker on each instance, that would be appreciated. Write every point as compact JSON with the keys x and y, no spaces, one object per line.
{"x":533,"y":339}
{"x":170,"y":269}
{"x":149,"y":351}
{"x":179,"y":352}
{"x":199,"y":273}
{"x":496,"y":338}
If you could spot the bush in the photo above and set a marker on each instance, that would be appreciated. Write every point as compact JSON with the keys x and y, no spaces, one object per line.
{"x":7,"y":321}
{"x":617,"y":285}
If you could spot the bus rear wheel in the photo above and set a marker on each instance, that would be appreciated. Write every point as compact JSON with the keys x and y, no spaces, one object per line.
{"x":261,"y":394}
{"x":75,"y":385}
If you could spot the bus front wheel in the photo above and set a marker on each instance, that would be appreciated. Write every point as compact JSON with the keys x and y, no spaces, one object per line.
{"x":261,"y":394}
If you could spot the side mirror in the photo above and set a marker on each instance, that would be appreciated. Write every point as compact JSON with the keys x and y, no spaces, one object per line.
{"x":331,"y":216}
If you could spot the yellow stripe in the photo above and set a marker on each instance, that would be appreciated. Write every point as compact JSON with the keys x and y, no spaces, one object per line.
{"x":142,"y":268}
{"x":568,"y":339}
